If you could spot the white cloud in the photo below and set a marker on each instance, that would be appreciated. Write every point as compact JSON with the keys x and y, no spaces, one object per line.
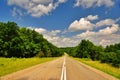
{"x":94,"y":3}
{"x":91,"y":17}
{"x":105,"y":22}
{"x":86,"y":23}
{"x":55,"y":32}
{"x":40,"y":10}
{"x":103,"y":37}
{"x":42,"y":1}
{"x":86,"y":34}
{"x":106,"y":31}
{"x":104,"y":42}
{"x":107,"y":40}
{"x":45,"y":32}
{"x":39,"y":30}
{"x":82,"y":24}
{"x":36,"y":8}
{"x":109,"y":30}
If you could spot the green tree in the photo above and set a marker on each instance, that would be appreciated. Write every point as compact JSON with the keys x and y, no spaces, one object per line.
{"x":84,"y":49}
{"x":22,"y":42}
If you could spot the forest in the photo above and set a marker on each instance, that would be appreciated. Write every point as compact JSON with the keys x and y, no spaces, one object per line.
{"x":86,"y":49}
{"x":21,"y":42}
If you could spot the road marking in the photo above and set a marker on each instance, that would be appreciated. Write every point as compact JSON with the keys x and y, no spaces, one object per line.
{"x":63,"y":74}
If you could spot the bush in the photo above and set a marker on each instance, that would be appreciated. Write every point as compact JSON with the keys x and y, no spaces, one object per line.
{"x":111,"y":58}
{"x":116,"y":61}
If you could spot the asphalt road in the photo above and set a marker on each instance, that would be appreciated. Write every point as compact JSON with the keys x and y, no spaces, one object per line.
{"x":63,"y":68}
{"x":79,"y":71}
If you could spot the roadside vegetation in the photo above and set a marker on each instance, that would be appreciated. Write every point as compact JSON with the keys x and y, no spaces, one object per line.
{"x":21,"y":42}
{"x":19,"y":46}
{"x":107,"y":68}
{"x":9,"y":65}
{"x":86,"y":49}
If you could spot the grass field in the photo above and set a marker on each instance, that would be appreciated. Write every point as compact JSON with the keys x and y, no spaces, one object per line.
{"x":102,"y":66}
{"x":9,"y":65}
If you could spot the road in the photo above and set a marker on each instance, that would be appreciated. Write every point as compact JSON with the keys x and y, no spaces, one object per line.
{"x":64,"y":67}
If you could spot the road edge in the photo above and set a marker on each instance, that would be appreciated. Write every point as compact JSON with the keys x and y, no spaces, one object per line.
{"x":105,"y":75}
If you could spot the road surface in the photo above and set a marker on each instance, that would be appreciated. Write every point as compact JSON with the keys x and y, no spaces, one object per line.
{"x":63,"y":68}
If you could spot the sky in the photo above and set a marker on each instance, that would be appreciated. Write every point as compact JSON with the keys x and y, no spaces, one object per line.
{"x":65,"y":23}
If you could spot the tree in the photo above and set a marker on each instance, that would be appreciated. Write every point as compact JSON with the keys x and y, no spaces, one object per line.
{"x":7,"y":33}
{"x":22,"y":42}
{"x":84,"y":48}
{"x":95,"y":52}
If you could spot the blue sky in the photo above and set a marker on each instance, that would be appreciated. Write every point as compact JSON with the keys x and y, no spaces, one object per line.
{"x":66,"y":22}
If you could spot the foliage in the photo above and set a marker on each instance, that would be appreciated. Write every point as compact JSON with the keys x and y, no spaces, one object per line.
{"x":111,"y":58}
{"x":112,"y":48}
{"x":86,"y":49}
{"x":22,"y":42}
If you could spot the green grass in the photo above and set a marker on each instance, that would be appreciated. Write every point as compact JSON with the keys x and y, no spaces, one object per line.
{"x":102,"y":66}
{"x":9,"y":65}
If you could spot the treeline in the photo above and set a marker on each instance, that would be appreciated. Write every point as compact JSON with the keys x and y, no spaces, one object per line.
{"x":86,"y":49}
{"x":22,"y":42}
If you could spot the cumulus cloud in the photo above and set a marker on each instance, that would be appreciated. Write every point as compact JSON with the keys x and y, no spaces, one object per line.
{"x":86,"y":34}
{"x":94,"y":3}
{"x":105,"y":22}
{"x":107,"y":40}
{"x":109,"y":30}
{"x":45,"y":32}
{"x":87,"y":24}
{"x":39,"y":30}
{"x":104,"y":42}
{"x":102,"y":37}
{"x":106,"y":31}
{"x":91,"y":17}
{"x":36,"y":8}
{"x":82,"y":24}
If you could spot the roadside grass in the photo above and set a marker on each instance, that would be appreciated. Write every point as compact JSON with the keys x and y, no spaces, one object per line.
{"x":101,"y":66}
{"x":9,"y":65}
